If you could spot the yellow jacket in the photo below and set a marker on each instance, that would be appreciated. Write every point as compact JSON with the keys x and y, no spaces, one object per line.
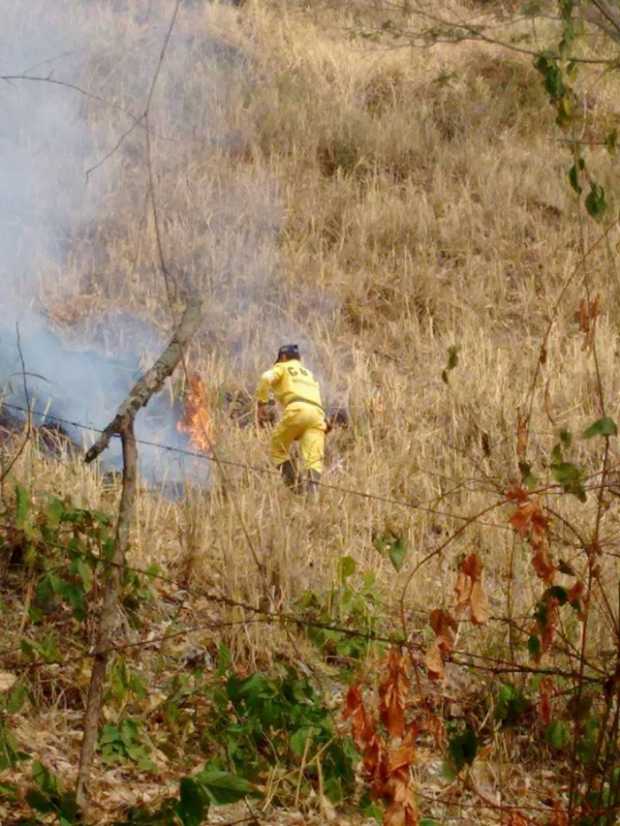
{"x":289,"y":381}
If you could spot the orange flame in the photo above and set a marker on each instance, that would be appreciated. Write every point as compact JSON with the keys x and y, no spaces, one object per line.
{"x":196,"y":421}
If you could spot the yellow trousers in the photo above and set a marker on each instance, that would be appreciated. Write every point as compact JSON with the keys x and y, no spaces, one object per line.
{"x":304,"y":423}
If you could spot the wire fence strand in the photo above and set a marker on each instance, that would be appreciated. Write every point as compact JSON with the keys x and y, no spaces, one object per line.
{"x":412,"y":505}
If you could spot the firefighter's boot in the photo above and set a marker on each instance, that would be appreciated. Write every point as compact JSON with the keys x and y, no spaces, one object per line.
{"x":313,"y":480}
{"x":289,"y":475}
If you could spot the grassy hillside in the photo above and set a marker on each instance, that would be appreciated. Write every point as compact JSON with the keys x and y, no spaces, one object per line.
{"x":380,"y":204}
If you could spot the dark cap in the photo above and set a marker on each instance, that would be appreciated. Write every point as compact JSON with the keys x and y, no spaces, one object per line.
{"x":290,"y":350}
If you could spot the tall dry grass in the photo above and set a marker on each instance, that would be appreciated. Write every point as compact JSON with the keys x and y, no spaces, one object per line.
{"x":388,"y":205}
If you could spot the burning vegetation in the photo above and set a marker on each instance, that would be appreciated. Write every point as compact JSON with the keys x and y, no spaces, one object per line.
{"x":196,"y":422}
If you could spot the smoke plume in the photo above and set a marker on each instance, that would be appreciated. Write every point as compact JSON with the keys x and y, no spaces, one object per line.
{"x":79,"y":273}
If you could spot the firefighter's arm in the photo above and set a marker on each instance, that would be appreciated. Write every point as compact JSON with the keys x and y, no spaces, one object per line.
{"x":264,"y":385}
{"x":269,"y":378}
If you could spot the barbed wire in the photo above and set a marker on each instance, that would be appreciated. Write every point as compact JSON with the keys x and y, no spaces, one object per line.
{"x":412,"y":505}
{"x":261,"y":615}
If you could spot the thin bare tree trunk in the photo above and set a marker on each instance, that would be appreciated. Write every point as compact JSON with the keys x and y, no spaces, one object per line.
{"x":123,"y":425}
{"x":108,"y":617}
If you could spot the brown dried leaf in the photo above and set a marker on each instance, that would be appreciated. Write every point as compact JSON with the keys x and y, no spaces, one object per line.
{"x":530,"y":522}
{"x":462,"y":591}
{"x":479,"y":604}
{"x":543,"y":565}
{"x":522,"y":435}
{"x":472,"y":567}
{"x":575,"y":596}
{"x":559,"y":817}
{"x":529,"y":519}
{"x":469,"y":591}
{"x":393,"y":692}
{"x":434,"y":662}
{"x":515,"y":819}
{"x":444,"y":625}
{"x":364,"y":735}
{"x":398,"y":815}
{"x":402,"y":810}
{"x":587,"y":316}
{"x":433,"y":724}
{"x":517,"y":493}
{"x":521,"y":519}
{"x":545,"y":693}
{"x":362,"y":727}
{"x":402,"y":756}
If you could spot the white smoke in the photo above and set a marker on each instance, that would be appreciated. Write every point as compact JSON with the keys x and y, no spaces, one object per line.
{"x":49,"y":139}
{"x":59,"y":225}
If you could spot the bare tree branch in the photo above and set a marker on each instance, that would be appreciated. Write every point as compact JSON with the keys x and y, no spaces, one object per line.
{"x":153,"y":379}
{"x":123,"y":425}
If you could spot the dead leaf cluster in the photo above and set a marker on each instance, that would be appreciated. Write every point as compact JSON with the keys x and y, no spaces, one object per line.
{"x":387,"y":757}
{"x":470,"y":598}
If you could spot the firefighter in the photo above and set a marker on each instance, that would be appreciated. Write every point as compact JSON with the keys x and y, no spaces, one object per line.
{"x":303,"y":417}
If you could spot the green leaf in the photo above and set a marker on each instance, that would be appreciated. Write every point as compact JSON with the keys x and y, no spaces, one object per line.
{"x":299,"y":738}
{"x":223,"y":787}
{"x":8,"y":791}
{"x":69,"y":810}
{"x":55,"y":511}
{"x":193,"y":805}
{"x":369,"y":808}
{"x":224,"y":660}
{"x":85,"y":573}
{"x":17,"y":697}
{"x":333,"y":789}
{"x":40,"y":802}
{"x":253,"y":689}
{"x":580,"y":706}
{"x":557,"y":592}
{"x":453,"y":360}
{"x":595,"y":201}
{"x":552,"y":76}
{"x":394,"y":546}
{"x":10,"y":756}
{"x":557,"y":734}
{"x":586,"y":746}
{"x":534,"y":646}
{"x":73,"y":595}
{"x":569,"y":476}
{"x":565,"y":472}
{"x":527,"y":477}
{"x":44,"y":779}
{"x":346,"y":567}
{"x":397,"y":553}
{"x":463,"y":749}
{"x":601,"y":427}
{"x":22,"y":506}
{"x":611,"y":142}
{"x":573,"y":177}
{"x":565,"y":567}
{"x":109,"y":734}
{"x":511,"y":704}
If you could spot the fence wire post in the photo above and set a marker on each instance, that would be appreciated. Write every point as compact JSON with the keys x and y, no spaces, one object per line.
{"x":107,"y":620}
{"x":123,"y":425}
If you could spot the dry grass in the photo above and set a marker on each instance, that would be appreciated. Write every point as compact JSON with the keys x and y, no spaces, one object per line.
{"x":379,"y":207}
